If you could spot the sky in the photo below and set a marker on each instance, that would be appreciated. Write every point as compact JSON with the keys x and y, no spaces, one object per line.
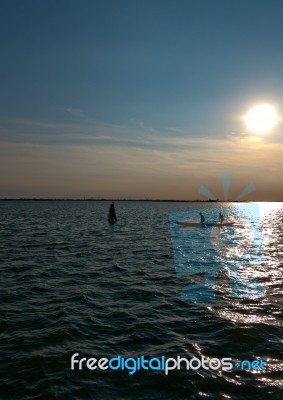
{"x":139,"y":99}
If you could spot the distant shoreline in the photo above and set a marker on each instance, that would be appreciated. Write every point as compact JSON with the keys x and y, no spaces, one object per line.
{"x":144,"y":200}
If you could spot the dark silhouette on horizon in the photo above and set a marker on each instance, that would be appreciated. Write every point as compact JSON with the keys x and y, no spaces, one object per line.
{"x":112,"y":214}
{"x":202,"y":219}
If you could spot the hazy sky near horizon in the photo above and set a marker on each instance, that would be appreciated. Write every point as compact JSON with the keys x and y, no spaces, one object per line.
{"x":138,"y":99}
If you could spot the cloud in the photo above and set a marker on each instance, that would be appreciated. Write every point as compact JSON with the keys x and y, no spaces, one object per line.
{"x":76,"y":112}
{"x":41,"y":158}
{"x":168,"y":168}
{"x":145,"y":128}
{"x":176,"y":130}
{"x":244,"y":138}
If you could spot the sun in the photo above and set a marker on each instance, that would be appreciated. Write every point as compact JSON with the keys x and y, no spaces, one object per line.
{"x":261,"y":118}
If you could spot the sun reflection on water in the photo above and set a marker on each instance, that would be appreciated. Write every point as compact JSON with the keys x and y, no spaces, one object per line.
{"x":270,"y":273}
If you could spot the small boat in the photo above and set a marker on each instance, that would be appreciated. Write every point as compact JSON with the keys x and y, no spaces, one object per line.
{"x":191,"y":224}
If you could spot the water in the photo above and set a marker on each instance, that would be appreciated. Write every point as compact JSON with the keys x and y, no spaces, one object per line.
{"x":72,"y":283}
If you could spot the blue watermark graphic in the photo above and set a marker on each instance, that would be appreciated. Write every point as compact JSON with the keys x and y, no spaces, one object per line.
{"x":218,"y":237}
{"x":162,"y":363}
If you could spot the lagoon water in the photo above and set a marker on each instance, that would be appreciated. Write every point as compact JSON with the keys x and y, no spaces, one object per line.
{"x":72,"y":283}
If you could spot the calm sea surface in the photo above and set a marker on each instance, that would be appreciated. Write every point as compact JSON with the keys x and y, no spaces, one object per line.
{"x":72,"y":283}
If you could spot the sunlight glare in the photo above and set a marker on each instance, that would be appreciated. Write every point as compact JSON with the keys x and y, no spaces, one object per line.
{"x":261,"y":118}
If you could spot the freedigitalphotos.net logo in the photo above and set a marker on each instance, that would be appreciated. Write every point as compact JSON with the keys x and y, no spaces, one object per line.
{"x":163,"y":363}
{"x":221,"y":236}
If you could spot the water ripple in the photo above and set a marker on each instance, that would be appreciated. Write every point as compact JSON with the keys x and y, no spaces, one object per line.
{"x":72,"y":283}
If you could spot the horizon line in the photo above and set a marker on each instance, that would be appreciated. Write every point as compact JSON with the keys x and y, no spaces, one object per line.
{"x":125,"y":199}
